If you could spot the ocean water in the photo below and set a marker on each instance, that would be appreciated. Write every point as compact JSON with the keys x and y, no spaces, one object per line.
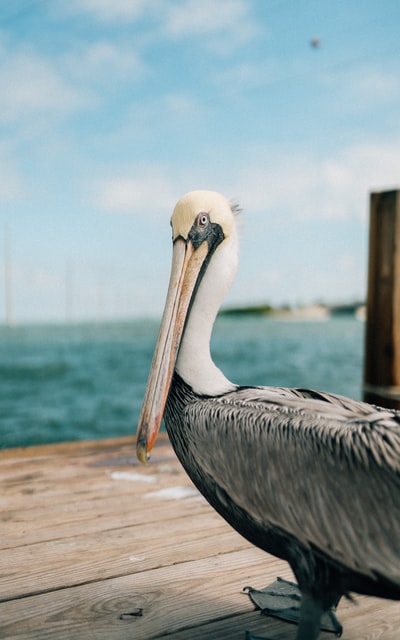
{"x":86,"y":381}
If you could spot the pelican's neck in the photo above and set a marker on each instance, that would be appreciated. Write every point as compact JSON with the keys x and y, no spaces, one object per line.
{"x":194,"y":363}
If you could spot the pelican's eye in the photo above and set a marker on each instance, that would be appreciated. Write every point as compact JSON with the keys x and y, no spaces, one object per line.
{"x":203,"y":220}
{"x":203,"y":230}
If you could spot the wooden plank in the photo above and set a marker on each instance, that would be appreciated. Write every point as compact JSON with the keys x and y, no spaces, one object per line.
{"x":22,"y":461}
{"x":76,"y":449}
{"x":36,"y":481}
{"x":58,"y":507}
{"x":117,"y":552}
{"x":49,"y":522}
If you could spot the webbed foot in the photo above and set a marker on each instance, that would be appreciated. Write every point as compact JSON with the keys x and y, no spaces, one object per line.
{"x":282,"y":600}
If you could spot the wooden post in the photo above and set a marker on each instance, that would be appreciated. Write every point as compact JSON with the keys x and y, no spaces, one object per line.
{"x":382,"y":348}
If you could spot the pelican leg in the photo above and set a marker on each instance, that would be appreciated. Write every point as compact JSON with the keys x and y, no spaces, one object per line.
{"x":310,"y":618}
{"x":249,"y":636}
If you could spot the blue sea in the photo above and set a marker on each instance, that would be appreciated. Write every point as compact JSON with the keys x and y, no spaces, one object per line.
{"x":86,"y":381}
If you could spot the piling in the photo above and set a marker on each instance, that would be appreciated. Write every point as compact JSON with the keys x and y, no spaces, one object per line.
{"x":382,"y":341}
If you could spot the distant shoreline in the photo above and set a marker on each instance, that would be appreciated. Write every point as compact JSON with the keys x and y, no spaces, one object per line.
{"x":316,"y":311}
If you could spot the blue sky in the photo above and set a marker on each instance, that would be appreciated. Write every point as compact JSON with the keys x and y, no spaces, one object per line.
{"x":113,"y":109}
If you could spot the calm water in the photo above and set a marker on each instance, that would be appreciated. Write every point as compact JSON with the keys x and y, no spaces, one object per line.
{"x":87,"y":381}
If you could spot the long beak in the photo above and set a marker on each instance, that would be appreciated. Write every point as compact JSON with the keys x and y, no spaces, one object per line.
{"x":186,"y":266}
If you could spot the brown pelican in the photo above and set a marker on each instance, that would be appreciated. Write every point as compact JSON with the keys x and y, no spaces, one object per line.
{"x":310,"y":477}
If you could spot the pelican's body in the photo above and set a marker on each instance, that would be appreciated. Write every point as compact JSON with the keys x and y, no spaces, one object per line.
{"x":312,"y":478}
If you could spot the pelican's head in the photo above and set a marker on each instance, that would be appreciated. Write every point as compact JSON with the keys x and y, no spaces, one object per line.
{"x":203,"y":224}
{"x":202,"y":204}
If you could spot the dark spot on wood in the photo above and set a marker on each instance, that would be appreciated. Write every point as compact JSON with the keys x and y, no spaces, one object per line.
{"x":135,"y":613}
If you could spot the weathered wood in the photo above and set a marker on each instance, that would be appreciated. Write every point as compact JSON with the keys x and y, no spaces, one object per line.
{"x":95,"y":547}
{"x":117,"y":552}
{"x":57,"y":521}
{"x":176,"y":597}
{"x":382,"y":347}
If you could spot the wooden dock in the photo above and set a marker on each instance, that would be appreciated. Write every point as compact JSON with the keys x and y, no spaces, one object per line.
{"x":95,"y":546}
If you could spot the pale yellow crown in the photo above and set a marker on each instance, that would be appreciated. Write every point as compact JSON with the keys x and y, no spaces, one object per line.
{"x":195,"y":202}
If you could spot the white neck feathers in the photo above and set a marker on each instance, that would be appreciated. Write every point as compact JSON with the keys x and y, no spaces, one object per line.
{"x":194,"y":363}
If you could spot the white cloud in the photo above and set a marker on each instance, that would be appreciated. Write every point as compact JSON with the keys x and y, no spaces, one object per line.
{"x":377,"y":83}
{"x":225,"y":24}
{"x":361,"y":88}
{"x":190,"y":17}
{"x":182,"y":105}
{"x":103,"y":62}
{"x":246,"y":76}
{"x":113,"y":11}
{"x":302,"y":185}
{"x":30,"y":84}
{"x":293,"y":186}
{"x":228,"y":22}
{"x":144,"y":194}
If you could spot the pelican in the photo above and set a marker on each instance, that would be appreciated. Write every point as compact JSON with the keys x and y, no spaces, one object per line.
{"x":310,"y":477}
